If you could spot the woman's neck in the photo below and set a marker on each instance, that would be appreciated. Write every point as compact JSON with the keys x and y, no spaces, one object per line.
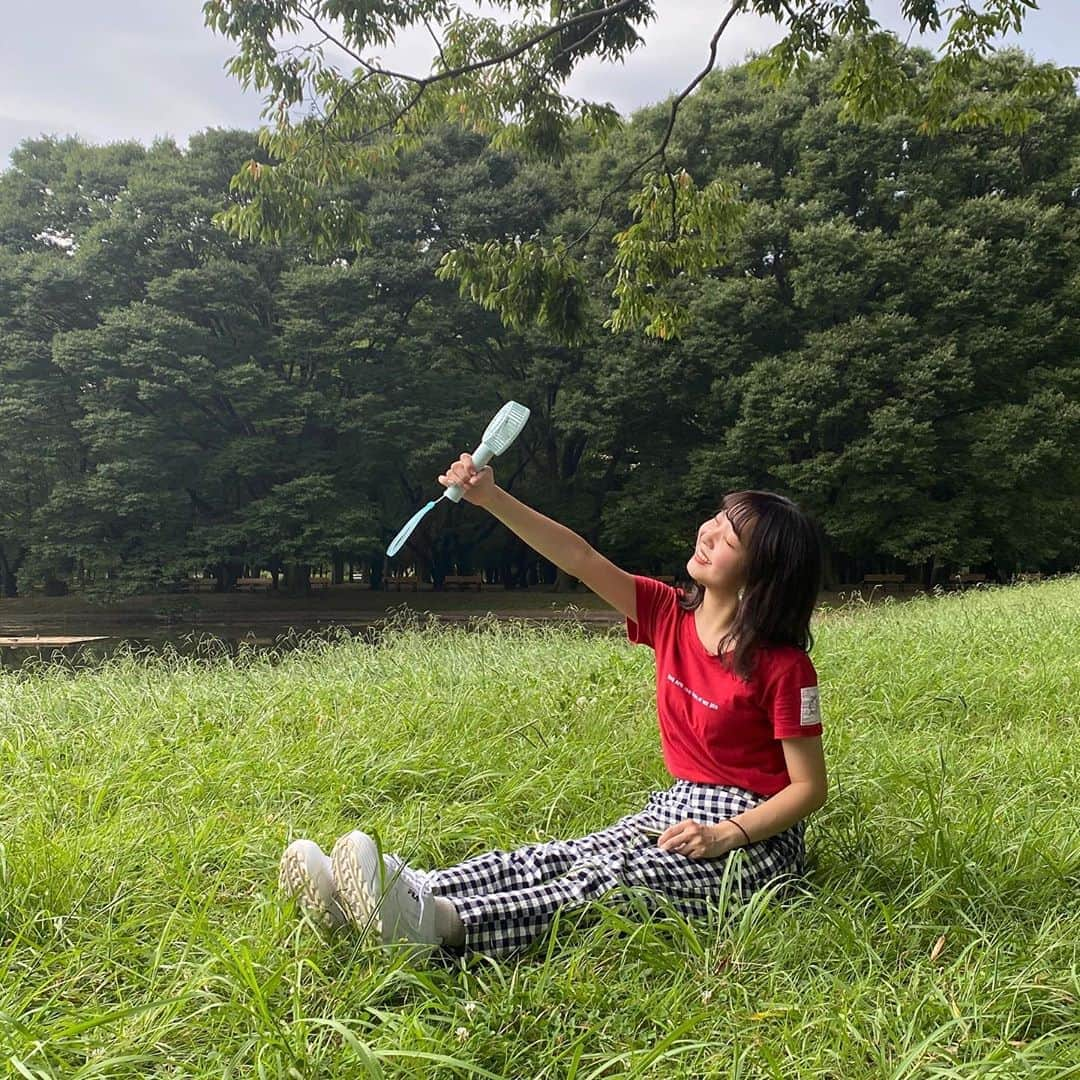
{"x":715,"y":616}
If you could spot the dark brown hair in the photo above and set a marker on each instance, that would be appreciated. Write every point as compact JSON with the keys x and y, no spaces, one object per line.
{"x":784,"y":570}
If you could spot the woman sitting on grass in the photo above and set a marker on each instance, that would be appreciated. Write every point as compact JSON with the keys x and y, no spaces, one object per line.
{"x":740,"y":728}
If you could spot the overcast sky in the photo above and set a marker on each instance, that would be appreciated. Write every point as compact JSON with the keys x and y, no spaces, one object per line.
{"x":108,"y":70}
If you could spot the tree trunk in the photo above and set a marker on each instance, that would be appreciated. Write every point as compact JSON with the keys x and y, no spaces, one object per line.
{"x":297,"y":578}
{"x":563,"y":581}
{"x":928,"y":569}
{"x":441,"y":562}
{"x":54,"y":586}
{"x":9,"y":573}
{"x":337,"y":576}
{"x":227,"y":574}
{"x":440,"y":567}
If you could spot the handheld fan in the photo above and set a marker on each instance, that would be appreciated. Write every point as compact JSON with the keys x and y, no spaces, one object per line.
{"x":501,"y":432}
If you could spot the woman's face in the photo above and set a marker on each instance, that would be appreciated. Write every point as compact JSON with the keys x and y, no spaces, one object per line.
{"x":719,"y":559}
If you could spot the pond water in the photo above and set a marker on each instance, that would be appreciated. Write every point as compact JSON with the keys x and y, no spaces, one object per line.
{"x":31,"y":646}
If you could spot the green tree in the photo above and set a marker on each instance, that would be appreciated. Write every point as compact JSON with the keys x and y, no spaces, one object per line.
{"x":41,"y":293}
{"x":899,"y":304}
{"x":892,"y":337}
{"x":336,"y":121}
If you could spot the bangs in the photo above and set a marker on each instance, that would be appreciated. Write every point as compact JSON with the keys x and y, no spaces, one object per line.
{"x":740,"y":511}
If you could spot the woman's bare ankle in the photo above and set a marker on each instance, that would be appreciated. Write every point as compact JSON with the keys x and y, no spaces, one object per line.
{"x":448,"y":924}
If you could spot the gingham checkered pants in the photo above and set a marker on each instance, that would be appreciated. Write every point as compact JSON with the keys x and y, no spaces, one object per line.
{"x":506,"y":899}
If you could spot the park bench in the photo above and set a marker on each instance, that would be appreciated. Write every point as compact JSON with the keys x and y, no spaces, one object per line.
{"x":464,"y":581}
{"x":400,"y":582}
{"x":885,"y":581}
{"x":320,"y":582}
{"x":254,"y":584}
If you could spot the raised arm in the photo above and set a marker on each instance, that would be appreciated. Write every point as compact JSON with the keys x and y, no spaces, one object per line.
{"x":555,"y":542}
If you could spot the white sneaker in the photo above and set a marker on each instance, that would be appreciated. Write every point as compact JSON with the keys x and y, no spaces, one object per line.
{"x":398,"y":906}
{"x":397,"y":867}
{"x":307,"y":874}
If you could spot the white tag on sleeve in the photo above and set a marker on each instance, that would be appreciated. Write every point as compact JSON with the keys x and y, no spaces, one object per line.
{"x":810,"y":714}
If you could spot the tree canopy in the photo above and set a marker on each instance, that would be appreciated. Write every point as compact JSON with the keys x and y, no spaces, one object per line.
{"x":338,"y":115}
{"x":892,"y":338}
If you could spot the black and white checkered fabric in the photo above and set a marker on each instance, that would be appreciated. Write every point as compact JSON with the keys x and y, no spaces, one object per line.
{"x":507,"y":899}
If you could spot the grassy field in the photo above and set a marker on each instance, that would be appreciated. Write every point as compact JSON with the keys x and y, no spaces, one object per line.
{"x":143,"y":807}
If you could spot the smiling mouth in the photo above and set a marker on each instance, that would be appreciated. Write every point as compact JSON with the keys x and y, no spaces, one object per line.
{"x":698,"y":557}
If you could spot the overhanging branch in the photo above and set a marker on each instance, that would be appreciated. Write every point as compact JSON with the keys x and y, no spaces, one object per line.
{"x":478,"y":65}
{"x":661,"y":150}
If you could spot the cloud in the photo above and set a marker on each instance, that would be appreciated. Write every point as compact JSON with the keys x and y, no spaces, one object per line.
{"x":127,"y":69}
{"x":676,"y":49}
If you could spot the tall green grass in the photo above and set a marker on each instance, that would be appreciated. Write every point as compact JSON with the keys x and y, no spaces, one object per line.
{"x":143,"y":807}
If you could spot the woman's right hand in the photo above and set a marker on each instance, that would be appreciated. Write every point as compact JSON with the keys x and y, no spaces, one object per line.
{"x":478,"y":484}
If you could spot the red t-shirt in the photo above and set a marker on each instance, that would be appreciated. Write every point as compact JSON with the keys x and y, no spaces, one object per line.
{"x":714,"y":727}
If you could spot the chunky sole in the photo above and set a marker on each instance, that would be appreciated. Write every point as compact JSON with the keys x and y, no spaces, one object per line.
{"x":357,"y":865}
{"x":296,"y":882}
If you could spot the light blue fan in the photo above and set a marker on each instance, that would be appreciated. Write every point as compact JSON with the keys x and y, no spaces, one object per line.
{"x":501,"y":432}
